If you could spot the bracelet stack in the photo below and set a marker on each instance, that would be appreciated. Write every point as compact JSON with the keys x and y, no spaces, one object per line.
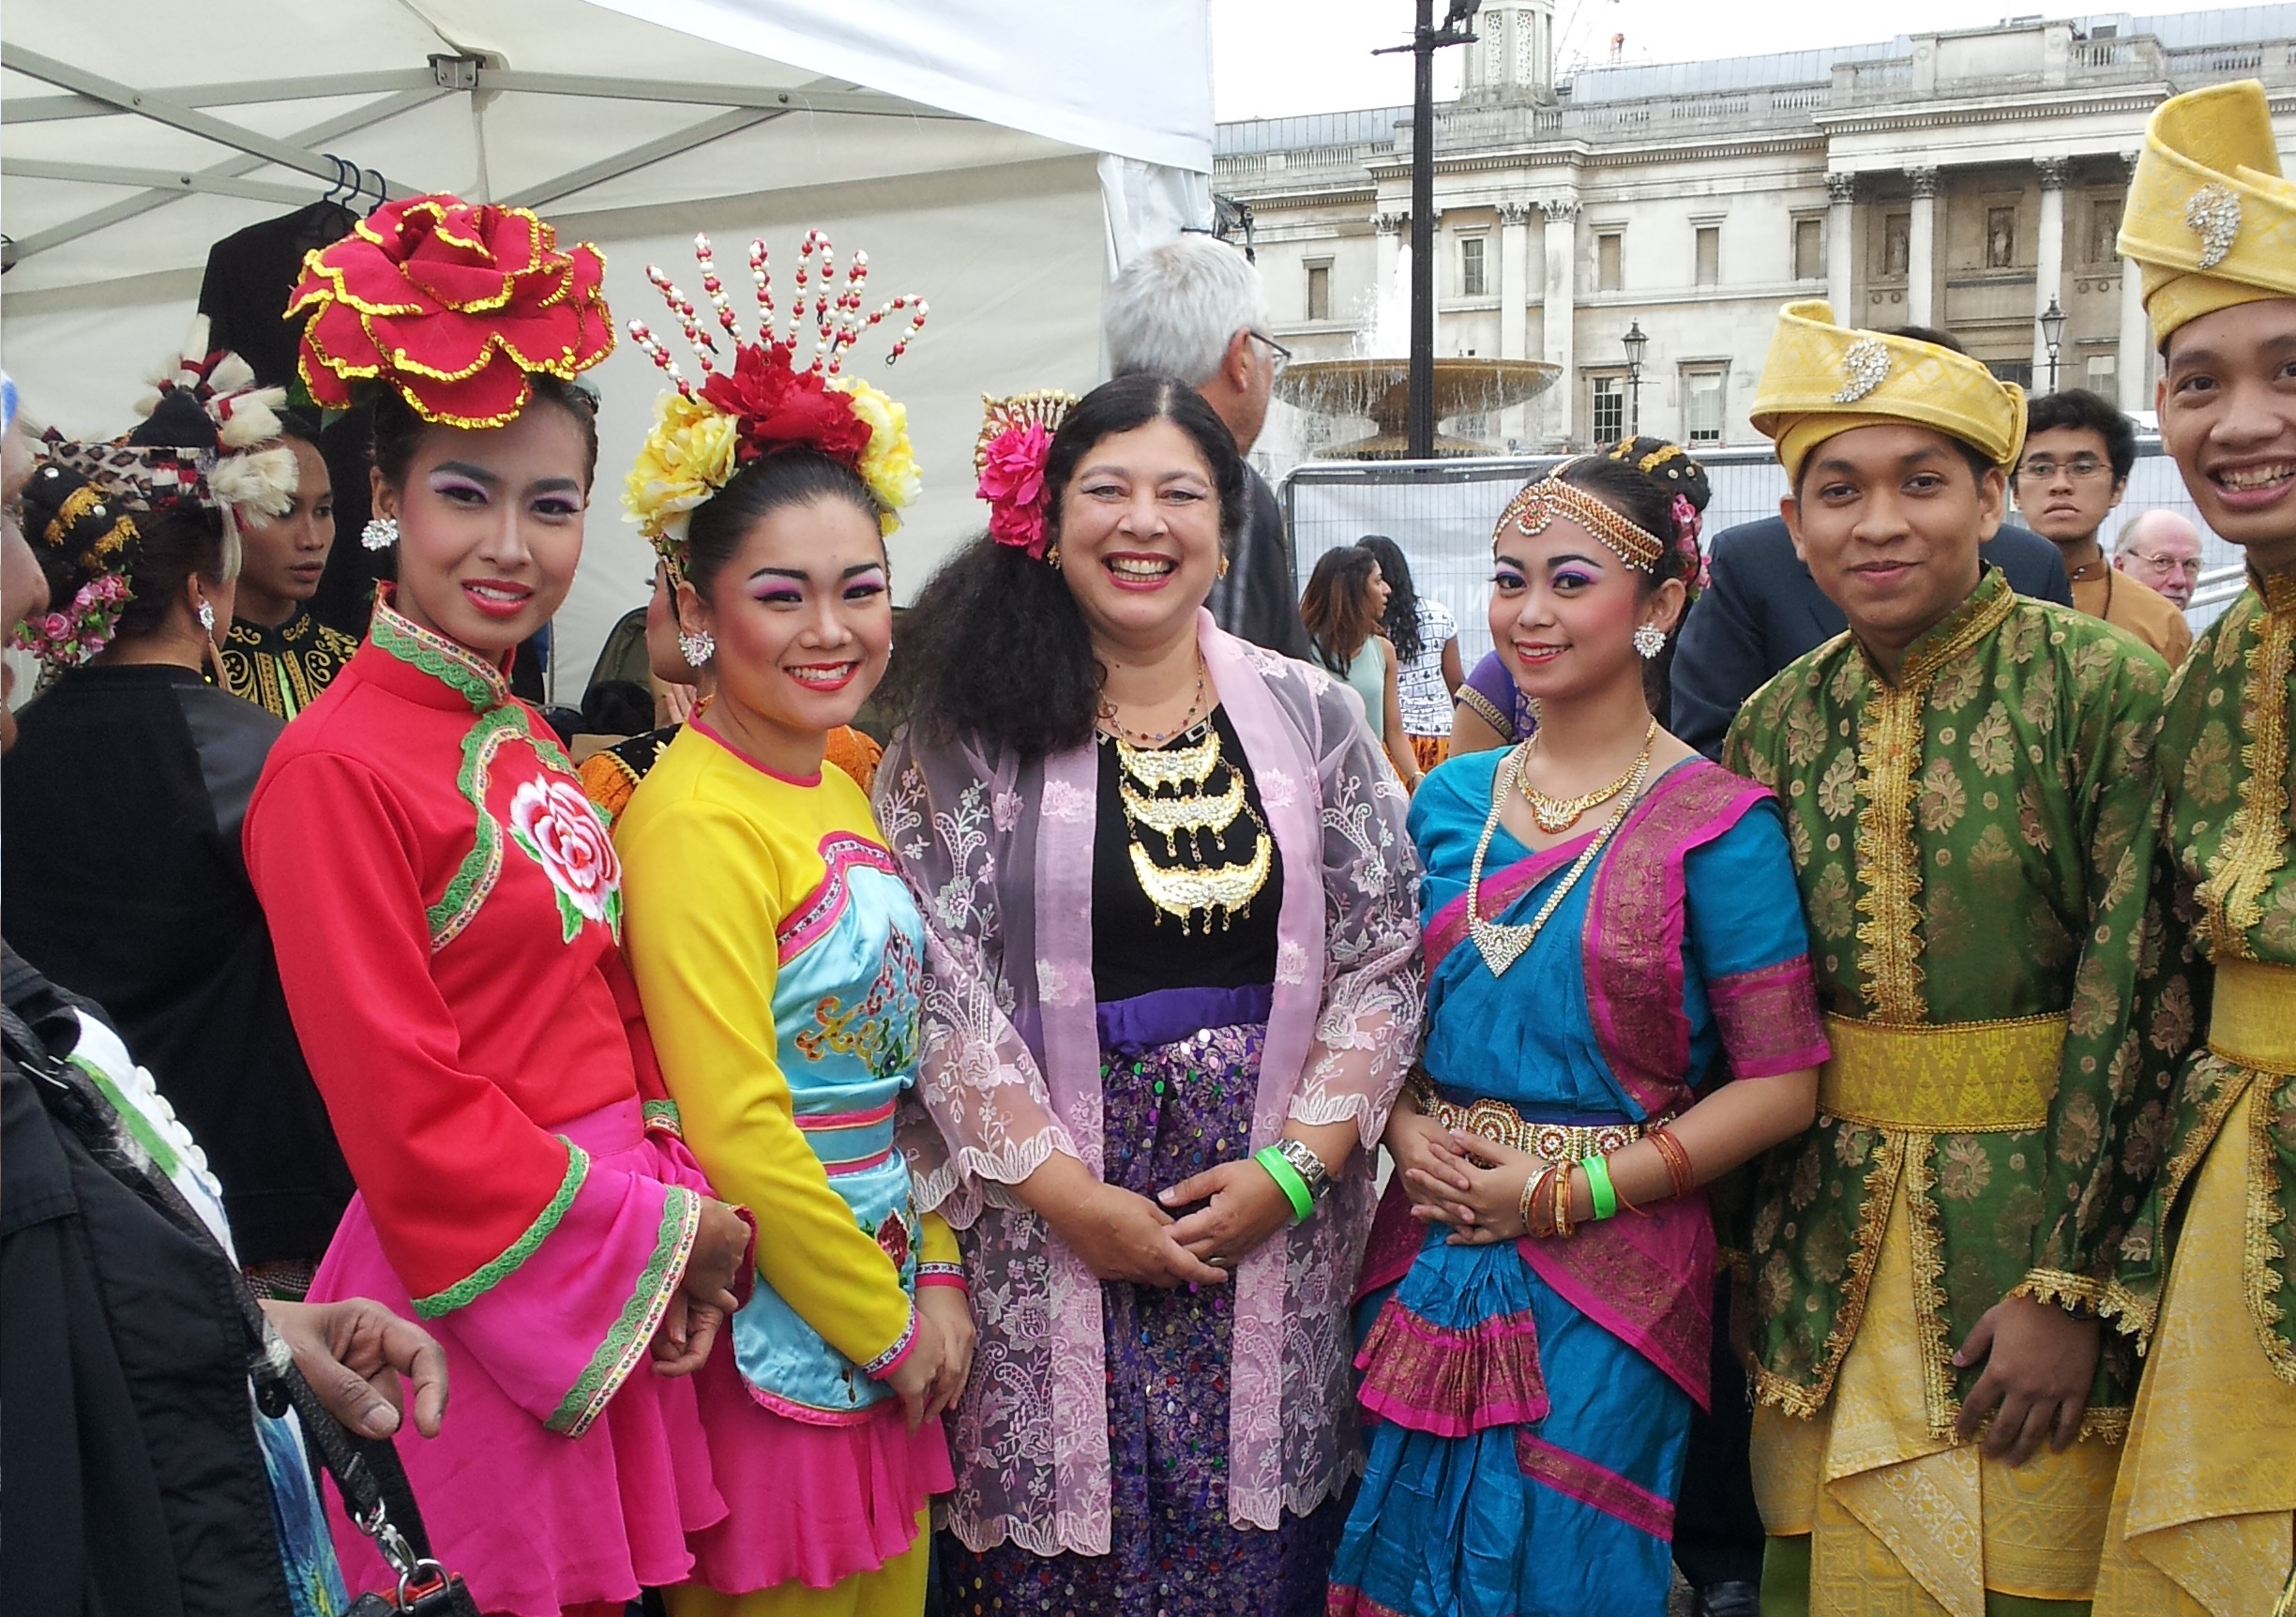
{"x":1298,"y":1172}
{"x":1546,"y":1205}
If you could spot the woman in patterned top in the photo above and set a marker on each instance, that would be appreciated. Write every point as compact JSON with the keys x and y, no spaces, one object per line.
{"x":1425,"y":640}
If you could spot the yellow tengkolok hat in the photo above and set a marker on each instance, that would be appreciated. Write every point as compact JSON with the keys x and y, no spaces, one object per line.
{"x":1821,"y":379}
{"x":2209,"y":220}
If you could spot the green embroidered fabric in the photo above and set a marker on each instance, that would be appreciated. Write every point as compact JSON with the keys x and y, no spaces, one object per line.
{"x":484,"y":1280}
{"x":1972,"y":846}
{"x":2226,"y":841}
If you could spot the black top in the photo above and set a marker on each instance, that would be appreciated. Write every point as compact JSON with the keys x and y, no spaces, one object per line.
{"x":1256,"y":599}
{"x":1137,"y":948}
{"x":135,"y":1480}
{"x":1761,"y":609}
{"x":121,"y":805}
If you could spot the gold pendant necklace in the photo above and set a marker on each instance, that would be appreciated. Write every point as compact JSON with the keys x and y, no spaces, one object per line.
{"x":1501,"y":944}
{"x":1553,"y":814}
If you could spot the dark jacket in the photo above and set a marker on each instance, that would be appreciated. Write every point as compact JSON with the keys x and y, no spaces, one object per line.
{"x":1256,"y":599}
{"x":1761,"y":610}
{"x":122,"y":803}
{"x":135,"y":1482}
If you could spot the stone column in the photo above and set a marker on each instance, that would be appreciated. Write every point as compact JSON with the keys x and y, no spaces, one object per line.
{"x":1514,"y":301}
{"x":1841,"y":249}
{"x":1562,"y":312}
{"x":2136,"y":349}
{"x":1921,"y":248}
{"x":2048,"y":269}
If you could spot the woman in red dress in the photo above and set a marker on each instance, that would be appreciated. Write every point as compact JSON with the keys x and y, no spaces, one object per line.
{"x":446,"y":908}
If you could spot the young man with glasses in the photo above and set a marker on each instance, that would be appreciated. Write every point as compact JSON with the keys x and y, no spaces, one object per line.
{"x":2078,"y":452}
{"x":2161,"y":550}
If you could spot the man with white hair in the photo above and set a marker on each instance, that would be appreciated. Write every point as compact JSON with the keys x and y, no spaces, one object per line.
{"x":1193,"y":308}
{"x":2161,"y":549}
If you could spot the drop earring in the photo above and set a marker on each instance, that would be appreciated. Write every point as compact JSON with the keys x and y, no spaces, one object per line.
{"x":380,"y":533}
{"x":1649,"y":640}
{"x":697,"y":646}
{"x":206,"y":617}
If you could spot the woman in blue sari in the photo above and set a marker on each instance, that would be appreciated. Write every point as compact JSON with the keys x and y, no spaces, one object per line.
{"x":1612,"y":931}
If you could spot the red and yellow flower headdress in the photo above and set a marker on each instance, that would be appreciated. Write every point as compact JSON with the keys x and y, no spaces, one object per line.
{"x":704,"y":434}
{"x":454,"y":306}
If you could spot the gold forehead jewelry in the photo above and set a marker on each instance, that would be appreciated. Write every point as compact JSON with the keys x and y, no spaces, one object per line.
{"x":1542,"y":502}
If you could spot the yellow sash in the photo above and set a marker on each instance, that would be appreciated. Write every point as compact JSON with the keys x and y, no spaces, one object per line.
{"x":2252,"y":1019}
{"x":1962,"y":1078}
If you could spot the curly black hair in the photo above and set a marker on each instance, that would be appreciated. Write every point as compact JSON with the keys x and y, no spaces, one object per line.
{"x":995,"y":649}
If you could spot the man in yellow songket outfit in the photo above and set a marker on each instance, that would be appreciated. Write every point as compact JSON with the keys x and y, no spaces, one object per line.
{"x":2204,"y":1516}
{"x":1968,"y":781}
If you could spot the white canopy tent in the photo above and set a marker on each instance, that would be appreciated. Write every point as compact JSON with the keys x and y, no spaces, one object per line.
{"x":999,"y":157}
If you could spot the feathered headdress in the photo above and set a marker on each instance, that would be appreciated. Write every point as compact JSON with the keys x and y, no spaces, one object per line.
{"x":1016,"y":440}
{"x":702,"y":434}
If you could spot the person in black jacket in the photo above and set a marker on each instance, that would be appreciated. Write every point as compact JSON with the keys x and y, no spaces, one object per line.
{"x":1194,"y":309}
{"x":140,"y":1476}
{"x":122,"y":804}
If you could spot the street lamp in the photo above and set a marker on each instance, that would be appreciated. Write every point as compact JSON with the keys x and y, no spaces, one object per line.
{"x":2053,"y":336}
{"x":1637,"y":343}
{"x":1457,"y":29}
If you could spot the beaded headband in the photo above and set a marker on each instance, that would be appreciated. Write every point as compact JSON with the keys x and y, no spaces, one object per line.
{"x":1542,"y":502}
{"x":1016,"y":440}
{"x":702,"y":434}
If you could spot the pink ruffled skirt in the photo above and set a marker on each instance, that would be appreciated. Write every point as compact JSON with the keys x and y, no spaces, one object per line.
{"x":532,"y":1521}
{"x":811,"y":1505}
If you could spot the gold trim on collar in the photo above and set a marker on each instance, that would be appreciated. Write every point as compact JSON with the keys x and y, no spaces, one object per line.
{"x":2255,"y":847}
{"x":1889,"y":756}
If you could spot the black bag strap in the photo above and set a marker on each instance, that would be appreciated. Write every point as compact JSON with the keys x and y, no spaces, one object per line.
{"x":374,"y":1485}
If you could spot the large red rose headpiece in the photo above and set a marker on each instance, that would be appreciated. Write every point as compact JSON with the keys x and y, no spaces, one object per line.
{"x":454,"y":306}
{"x":1015,"y":442}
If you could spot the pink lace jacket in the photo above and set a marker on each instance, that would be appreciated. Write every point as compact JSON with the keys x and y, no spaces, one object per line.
{"x":1000,"y":856}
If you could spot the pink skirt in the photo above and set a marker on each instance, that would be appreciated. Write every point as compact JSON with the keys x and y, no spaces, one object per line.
{"x":811,"y":1505}
{"x":532,"y":1521}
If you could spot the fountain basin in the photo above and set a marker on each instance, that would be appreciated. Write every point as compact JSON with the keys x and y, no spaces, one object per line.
{"x":1379,"y":389}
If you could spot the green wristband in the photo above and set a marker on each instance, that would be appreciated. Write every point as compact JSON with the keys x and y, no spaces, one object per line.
{"x":1604,"y":1194}
{"x":1287,"y":1180}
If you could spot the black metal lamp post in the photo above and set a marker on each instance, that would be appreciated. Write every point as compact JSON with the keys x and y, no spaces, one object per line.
{"x":2053,"y":336}
{"x":1636,"y":344}
{"x":1457,"y":29}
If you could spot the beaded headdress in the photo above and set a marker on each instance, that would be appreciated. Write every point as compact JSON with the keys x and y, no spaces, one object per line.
{"x":1688,"y":488}
{"x":198,"y":446}
{"x":1541,"y":502}
{"x":1016,"y":440}
{"x":702,"y":434}
{"x":452,"y":306}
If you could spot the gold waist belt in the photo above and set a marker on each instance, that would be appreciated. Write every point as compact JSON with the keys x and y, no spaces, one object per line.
{"x":1964,"y":1078}
{"x":1497,"y":1122}
{"x":2252,"y":1018}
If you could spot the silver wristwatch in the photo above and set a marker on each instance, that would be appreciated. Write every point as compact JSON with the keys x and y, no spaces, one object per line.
{"x":1302,"y":1156}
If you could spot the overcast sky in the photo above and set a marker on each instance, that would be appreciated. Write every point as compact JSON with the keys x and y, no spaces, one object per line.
{"x":1272,"y":58}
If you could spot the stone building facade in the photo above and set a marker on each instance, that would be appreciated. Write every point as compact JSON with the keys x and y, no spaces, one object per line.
{"x":1955,"y":179}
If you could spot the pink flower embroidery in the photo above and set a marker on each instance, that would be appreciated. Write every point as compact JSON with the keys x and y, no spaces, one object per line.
{"x":1012,"y":480}
{"x":561,"y":832}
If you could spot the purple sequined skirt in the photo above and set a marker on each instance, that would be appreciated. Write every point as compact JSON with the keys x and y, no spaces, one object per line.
{"x":1170,"y":1111}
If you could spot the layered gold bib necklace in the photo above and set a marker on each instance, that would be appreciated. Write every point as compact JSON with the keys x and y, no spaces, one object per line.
{"x":1185,"y":797}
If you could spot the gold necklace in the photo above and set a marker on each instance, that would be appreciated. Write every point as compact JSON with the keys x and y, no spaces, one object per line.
{"x":1499,"y":944}
{"x":1169,"y":794}
{"x":1553,"y":814}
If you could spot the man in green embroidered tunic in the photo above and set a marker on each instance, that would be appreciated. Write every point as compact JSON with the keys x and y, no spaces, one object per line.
{"x":1969,"y":790}
{"x":2204,"y":1515}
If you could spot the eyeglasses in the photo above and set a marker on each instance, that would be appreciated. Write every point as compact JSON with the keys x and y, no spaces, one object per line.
{"x":2191,"y":569}
{"x":2081,"y":468}
{"x":1278,"y":355}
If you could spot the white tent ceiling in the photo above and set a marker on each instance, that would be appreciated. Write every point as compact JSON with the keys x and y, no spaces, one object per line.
{"x":988,"y":154}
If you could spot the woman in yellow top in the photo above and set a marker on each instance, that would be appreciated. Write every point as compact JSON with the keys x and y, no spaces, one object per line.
{"x":779,"y":958}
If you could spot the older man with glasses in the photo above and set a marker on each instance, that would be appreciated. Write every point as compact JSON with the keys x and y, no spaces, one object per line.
{"x":2161,"y":550}
{"x":2074,"y":467}
{"x":1194,"y":308}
